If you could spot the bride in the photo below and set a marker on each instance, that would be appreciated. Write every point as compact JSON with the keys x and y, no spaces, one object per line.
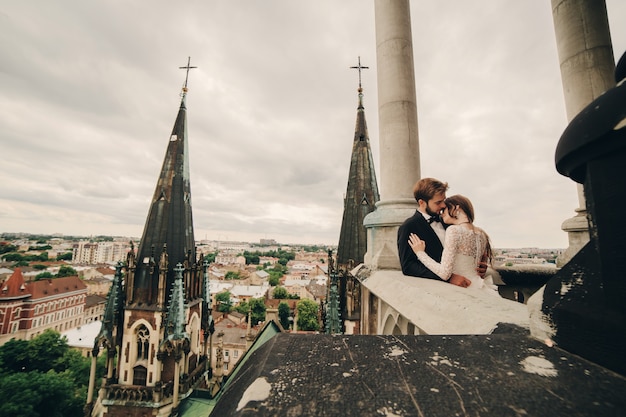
{"x":465,"y":245}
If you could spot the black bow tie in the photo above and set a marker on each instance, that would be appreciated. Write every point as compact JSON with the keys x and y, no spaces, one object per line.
{"x":434,"y":219}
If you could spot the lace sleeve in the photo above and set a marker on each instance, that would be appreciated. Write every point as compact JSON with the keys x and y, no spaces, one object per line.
{"x":451,"y":246}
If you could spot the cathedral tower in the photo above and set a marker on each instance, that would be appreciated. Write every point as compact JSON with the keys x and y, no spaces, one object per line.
{"x":156,"y":323}
{"x":360,"y":199}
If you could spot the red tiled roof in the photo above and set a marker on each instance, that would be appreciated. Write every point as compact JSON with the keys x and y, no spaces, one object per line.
{"x":15,"y":286}
{"x":106,"y":271}
{"x":48,"y":287}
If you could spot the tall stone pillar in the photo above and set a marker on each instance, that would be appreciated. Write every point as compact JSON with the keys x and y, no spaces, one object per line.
{"x":587,"y":67}
{"x":92,"y":377}
{"x":399,"y":147}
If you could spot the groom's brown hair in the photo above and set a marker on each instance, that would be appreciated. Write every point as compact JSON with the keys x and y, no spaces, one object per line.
{"x":426,"y":188}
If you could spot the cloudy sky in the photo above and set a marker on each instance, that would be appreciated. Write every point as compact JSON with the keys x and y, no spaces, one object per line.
{"x":89,"y":92}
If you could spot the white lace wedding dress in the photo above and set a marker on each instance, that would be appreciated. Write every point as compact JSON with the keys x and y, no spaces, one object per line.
{"x":462,"y":251}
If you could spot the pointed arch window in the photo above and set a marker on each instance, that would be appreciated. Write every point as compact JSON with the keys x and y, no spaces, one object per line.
{"x":139,"y":375}
{"x":143,"y":342}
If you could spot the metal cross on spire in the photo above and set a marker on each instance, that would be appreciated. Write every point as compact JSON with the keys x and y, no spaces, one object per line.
{"x":359,"y":67}
{"x":188,"y":67}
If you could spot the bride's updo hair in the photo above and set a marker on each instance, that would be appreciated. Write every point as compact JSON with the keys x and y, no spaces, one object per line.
{"x":463,"y":203}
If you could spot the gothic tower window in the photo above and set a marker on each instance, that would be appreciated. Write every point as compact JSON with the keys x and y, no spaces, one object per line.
{"x":143,"y":343}
{"x":139,"y":375}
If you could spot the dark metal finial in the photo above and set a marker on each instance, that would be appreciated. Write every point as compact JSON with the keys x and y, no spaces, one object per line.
{"x":188,"y":67}
{"x":359,"y":67}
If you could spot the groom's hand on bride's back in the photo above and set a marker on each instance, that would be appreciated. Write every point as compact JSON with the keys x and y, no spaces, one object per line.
{"x":481,"y":269}
{"x":459,"y":280}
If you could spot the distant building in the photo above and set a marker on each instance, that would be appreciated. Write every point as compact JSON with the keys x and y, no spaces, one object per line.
{"x":29,"y":308}
{"x":243,"y":293}
{"x":233,"y":333}
{"x":298,"y":287}
{"x":82,"y":337}
{"x":267,"y":260}
{"x":98,"y":253}
{"x":98,"y":285}
{"x":94,"y":309}
{"x":259,"y":277}
{"x":230,"y":259}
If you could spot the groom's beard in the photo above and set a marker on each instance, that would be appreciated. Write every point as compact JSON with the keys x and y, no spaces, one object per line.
{"x":430,"y":212}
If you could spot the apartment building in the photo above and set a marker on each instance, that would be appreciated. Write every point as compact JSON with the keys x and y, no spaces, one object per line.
{"x":29,"y":308}
{"x":99,"y":252}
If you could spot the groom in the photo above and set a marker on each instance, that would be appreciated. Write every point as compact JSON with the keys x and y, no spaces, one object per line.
{"x":426,"y":223}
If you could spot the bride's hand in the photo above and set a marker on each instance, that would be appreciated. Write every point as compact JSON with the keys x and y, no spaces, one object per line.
{"x":416,"y":243}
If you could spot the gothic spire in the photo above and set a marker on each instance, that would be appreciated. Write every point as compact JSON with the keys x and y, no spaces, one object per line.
{"x":175,"y":319}
{"x":112,"y":311}
{"x":168,"y":237}
{"x":361,"y":193}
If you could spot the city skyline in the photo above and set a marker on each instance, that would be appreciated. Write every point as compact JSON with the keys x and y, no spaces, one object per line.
{"x":90,"y":94}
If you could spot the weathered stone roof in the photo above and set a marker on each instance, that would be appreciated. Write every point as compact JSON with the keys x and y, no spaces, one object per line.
{"x":503,"y":374}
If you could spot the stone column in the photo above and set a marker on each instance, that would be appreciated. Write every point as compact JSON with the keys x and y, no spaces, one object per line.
{"x":177,"y":357}
{"x":111,"y":365}
{"x":587,"y":67}
{"x":92,"y":376}
{"x":399,"y":147}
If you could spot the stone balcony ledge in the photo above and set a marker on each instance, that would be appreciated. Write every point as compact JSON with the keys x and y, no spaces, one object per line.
{"x":435,"y":307}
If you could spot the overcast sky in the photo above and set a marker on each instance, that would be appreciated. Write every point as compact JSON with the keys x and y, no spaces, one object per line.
{"x":89,"y":92}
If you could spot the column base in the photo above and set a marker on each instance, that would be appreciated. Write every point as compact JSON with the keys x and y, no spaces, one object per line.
{"x":382,"y":232}
{"x":577,"y":229}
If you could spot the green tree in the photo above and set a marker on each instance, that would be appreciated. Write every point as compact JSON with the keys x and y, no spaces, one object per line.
{"x":35,"y":394}
{"x":279,"y":268}
{"x":14,"y":356}
{"x":252,"y":258}
{"x":39,"y":267}
{"x":243,"y":307}
{"x":224,"y":303}
{"x":46,"y":349}
{"x":66,"y":271}
{"x":232,"y":275}
{"x":257,"y":310}
{"x":283,"y":314}
{"x":75,"y":365}
{"x":210,"y":257}
{"x":307,"y":315}
{"x":274,"y":278}
{"x":44,"y":377}
{"x":280,"y":293}
{"x":64,"y":256}
{"x":44,"y":275}
{"x":13,"y":257}
{"x":7,"y":247}
{"x":43,"y":257}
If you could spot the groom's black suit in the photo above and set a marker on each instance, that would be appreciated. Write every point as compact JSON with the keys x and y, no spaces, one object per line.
{"x":410,"y":264}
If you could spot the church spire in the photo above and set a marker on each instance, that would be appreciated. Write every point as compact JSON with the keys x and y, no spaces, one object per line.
{"x":361,"y":193}
{"x":168,"y":237}
{"x":155,"y":315}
